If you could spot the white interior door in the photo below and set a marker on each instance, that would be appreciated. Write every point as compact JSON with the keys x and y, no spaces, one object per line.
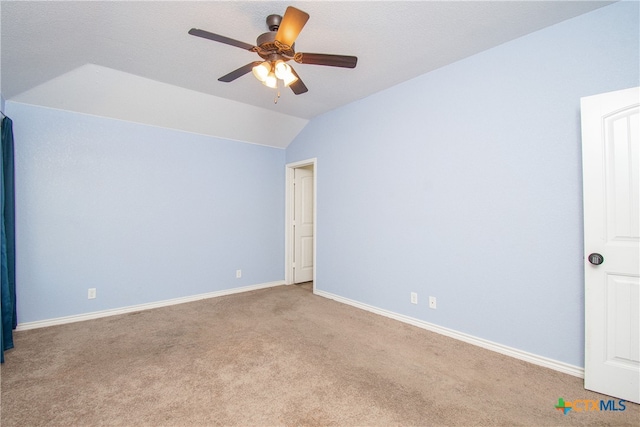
{"x":611,"y":153}
{"x":303,"y":225}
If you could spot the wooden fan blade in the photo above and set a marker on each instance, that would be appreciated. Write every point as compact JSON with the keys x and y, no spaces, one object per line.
{"x":298,"y":86}
{"x":218,"y":38}
{"x":325,"y":59}
{"x":239,"y":72}
{"x":291,"y":25}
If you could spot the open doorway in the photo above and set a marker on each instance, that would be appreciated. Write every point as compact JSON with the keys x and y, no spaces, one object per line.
{"x":300,"y":222}
{"x":307,"y":286}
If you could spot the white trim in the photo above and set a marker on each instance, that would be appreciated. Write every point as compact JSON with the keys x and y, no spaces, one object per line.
{"x":140,"y":307}
{"x":288,"y":238}
{"x":556,"y":365}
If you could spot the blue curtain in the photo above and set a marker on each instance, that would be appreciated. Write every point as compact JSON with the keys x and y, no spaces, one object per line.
{"x":8,"y":256}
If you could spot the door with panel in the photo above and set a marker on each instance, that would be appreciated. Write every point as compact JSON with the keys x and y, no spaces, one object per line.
{"x":611,"y":158}
{"x":303,"y":224}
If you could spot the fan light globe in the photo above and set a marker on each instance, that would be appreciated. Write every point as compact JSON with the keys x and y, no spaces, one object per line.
{"x":271,"y":81}
{"x":262,"y":71}
{"x":283,"y":72}
{"x":288,"y":79}
{"x":282,"y":69}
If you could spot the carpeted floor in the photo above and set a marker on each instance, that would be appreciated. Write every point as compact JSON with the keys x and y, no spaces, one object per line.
{"x":278,"y":356}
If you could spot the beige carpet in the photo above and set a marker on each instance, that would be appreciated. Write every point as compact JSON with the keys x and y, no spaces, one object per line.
{"x":279,"y":356}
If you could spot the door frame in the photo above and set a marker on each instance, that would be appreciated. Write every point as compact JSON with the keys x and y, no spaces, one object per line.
{"x":289,"y":208}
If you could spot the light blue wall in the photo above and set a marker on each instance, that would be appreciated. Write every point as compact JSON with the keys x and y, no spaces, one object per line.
{"x":142,"y":214}
{"x":465,"y":184}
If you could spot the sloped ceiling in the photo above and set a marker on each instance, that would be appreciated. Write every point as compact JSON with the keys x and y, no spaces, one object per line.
{"x":135,"y":61}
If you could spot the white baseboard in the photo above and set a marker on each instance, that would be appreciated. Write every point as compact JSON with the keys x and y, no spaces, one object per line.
{"x":489,"y":345}
{"x":556,"y":365}
{"x":140,"y":307}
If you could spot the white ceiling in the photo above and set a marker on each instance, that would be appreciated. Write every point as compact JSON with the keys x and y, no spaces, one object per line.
{"x":135,"y":60}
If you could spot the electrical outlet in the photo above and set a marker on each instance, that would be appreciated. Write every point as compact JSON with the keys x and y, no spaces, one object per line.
{"x":238,"y":274}
{"x":432,"y":302}
{"x":414,"y":298}
{"x":91,"y":294}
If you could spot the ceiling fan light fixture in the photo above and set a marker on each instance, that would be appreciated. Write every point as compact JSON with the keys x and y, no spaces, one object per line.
{"x":276,"y":47}
{"x":262,"y":71}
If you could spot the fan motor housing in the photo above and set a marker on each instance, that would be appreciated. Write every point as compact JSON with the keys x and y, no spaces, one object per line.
{"x":268,"y":46}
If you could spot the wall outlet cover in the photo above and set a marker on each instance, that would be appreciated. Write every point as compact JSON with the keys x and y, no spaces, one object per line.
{"x":414,"y":298}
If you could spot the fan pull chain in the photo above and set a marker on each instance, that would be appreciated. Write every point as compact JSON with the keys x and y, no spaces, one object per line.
{"x":275,"y":100}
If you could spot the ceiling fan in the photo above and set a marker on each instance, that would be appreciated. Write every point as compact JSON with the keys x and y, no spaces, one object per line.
{"x":276,"y":48}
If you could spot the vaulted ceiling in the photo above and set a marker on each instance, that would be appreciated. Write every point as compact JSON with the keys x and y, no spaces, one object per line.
{"x":135,"y":60}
